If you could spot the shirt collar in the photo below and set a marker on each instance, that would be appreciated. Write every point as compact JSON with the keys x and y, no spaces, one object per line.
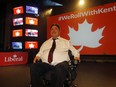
{"x":57,"y":37}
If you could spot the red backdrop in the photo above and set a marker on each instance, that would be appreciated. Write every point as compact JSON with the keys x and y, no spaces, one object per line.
{"x":92,"y":31}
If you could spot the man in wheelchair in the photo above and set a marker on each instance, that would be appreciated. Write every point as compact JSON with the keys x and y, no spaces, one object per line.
{"x":55,"y":59}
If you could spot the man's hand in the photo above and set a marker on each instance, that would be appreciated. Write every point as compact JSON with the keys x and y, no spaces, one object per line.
{"x":77,"y":58}
{"x":36,"y":59}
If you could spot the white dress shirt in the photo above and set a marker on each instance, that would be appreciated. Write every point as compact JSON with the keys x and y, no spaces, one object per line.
{"x":60,"y":53}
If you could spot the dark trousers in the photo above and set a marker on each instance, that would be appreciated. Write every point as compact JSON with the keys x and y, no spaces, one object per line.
{"x":58,"y":76}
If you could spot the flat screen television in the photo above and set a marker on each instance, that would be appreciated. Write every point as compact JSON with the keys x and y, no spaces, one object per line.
{"x":31,"y":21}
{"x":17,"y":33}
{"x":31,"y":45}
{"x":18,"y":10}
{"x":31,"y":10}
{"x":17,"y":21}
{"x":17,"y":45}
{"x":31,"y":32}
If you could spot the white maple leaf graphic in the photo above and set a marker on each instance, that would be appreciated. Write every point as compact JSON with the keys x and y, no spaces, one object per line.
{"x":31,"y":21}
{"x":31,"y":45}
{"x":18,"y":11}
{"x":84,"y":36}
{"x":17,"y":33}
{"x":14,"y":55}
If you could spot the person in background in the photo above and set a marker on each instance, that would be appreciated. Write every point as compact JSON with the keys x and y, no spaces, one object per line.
{"x":59,"y":61}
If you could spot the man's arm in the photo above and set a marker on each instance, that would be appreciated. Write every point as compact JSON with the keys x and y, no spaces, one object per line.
{"x":39,"y":54}
{"x":75,"y":52}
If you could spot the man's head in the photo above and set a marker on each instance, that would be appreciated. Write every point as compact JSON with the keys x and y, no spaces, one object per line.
{"x":55,"y":30}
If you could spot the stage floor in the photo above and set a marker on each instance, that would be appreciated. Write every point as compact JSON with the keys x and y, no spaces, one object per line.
{"x":90,"y":74}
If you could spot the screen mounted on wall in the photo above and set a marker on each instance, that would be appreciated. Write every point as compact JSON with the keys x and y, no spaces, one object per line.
{"x":31,"y":32}
{"x":17,"y":45}
{"x":17,"y":21}
{"x":18,"y":10}
{"x":31,"y":21}
{"x":31,"y":10}
{"x":17,"y":33}
{"x":31,"y":44}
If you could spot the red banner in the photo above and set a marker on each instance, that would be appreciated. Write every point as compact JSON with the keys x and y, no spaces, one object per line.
{"x":13,"y":58}
{"x":92,"y":31}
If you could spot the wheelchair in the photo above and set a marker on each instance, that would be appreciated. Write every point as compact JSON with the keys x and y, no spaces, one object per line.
{"x":72,"y":73}
{"x":71,"y":76}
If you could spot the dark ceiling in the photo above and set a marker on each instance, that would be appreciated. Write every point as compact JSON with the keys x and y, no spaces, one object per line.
{"x":68,"y":5}
{"x":64,"y":2}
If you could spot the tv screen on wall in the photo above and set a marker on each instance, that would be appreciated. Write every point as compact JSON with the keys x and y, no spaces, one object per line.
{"x":31,"y":44}
{"x":17,"y":21}
{"x":17,"y":33}
{"x":31,"y":32}
{"x":18,"y":10}
{"x":31,"y":10}
{"x":31,"y":21}
{"x":17,"y":45}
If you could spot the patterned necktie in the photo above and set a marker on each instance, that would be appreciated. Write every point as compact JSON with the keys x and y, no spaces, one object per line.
{"x":50,"y":56}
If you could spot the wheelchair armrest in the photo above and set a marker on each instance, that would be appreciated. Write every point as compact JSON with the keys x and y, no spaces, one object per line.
{"x":73,"y":64}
